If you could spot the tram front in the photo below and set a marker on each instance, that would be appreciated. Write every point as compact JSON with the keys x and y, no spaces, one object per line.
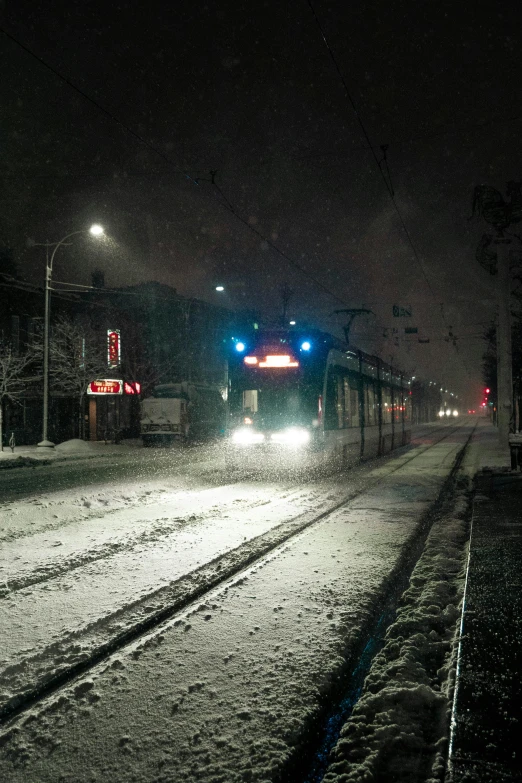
{"x":275,"y":401}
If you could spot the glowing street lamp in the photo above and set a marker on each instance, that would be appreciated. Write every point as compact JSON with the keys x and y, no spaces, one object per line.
{"x":220,"y":288}
{"x":95,"y":230}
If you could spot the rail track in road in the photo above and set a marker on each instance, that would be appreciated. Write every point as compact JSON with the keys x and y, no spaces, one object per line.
{"x":148,"y":613}
{"x":17,"y":483}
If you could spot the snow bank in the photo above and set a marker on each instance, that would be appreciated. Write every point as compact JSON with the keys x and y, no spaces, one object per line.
{"x":74,"y":446}
{"x":398,"y":729}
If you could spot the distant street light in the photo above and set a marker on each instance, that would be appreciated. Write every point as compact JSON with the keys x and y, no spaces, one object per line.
{"x":95,"y":230}
{"x":292,"y":323}
{"x":220,"y":288}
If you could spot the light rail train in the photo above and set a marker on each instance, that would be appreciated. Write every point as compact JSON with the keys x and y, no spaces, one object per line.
{"x":309,"y":399}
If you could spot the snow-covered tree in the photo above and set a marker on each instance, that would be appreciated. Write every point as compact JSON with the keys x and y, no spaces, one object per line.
{"x":14,"y":374}
{"x":77,"y":355}
{"x":138,"y":366}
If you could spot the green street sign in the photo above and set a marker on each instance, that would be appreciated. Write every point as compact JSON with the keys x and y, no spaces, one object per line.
{"x":402,"y":311}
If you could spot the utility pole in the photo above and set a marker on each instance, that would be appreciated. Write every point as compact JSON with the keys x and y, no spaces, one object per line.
{"x":286,"y":295}
{"x":490,"y":204}
{"x":504,"y":351}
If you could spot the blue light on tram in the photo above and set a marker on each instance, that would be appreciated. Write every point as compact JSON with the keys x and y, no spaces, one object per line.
{"x":240,"y":347}
{"x":306,"y":345}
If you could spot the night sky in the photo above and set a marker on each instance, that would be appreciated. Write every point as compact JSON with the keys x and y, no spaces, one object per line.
{"x":250,"y":91}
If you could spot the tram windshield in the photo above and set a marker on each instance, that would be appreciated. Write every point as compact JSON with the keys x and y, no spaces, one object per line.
{"x":274,"y":405}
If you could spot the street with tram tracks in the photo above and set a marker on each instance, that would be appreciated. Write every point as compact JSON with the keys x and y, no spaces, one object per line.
{"x":175,"y":622}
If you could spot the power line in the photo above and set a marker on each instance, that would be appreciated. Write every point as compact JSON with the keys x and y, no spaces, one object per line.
{"x":451,"y":130}
{"x":88,"y":98}
{"x":229,"y":206}
{"x":348,"y":95}
{"x":225,"y":201}
{"x":386,"y":180}
{"x":196,"y":180}
{"x":371,"y":147}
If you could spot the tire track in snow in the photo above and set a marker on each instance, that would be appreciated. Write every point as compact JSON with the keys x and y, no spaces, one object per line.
{"x":162,"y":528}
{"x":149,"y":612}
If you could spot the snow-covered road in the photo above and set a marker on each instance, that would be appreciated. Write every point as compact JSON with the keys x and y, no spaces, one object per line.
{"x":224,"y":689}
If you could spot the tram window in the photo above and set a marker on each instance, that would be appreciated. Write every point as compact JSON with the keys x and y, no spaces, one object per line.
{"x":250,"y":401}
{"x":397,"y":405}
{"x":354,"y":406}
{"x":370,"y":408}
{"x":342,"y":400}
{"x":347,"y":411}
{"x":274,"y":405}
{"x":386,"y":405}
{"x":351,"y":402}
{"x":331,"y":409}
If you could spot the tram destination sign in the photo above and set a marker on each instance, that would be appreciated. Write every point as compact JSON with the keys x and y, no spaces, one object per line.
{"x":402,"y":311}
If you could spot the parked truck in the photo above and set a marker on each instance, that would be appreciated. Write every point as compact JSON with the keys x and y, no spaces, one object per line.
{"x":182,"y":412}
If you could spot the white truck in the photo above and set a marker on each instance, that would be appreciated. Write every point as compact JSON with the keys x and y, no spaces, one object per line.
{"x":182,"y":411}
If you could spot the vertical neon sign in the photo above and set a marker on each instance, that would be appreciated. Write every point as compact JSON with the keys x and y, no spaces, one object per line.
{"x":113,"y":347}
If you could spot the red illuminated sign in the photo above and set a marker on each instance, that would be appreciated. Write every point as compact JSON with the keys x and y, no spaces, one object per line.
{"x":113,"y":347}
{"x":132,"y":388}
{"x":105,"y":386}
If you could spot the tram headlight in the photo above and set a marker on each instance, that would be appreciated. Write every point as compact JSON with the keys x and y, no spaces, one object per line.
{"x":245,"y":436}
{"x":455,"y":413}
{"x":441,"y":414}
{"x":293,"y":436}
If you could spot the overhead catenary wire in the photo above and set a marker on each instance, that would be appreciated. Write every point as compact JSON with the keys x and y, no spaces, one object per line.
{"x":229,"y":206}
{"x":454,"y":129}
{"x":225,"y":202}
{"x":371,"y":147}
{"x":304,"y":156}
{"x":386,"y":180}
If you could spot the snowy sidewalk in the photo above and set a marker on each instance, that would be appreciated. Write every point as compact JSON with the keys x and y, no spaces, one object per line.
{"x":488,"y":712}
{"x":71,"y":449}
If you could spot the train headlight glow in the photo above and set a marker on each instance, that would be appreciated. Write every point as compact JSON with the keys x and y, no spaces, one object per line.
{"x":246,"y":436}
{"x":293,"y":436}
{"x":441,"y":414}
{"x":455,"y":413}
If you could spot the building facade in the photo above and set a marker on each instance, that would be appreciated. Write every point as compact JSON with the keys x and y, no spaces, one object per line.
{"x":162,"y":337}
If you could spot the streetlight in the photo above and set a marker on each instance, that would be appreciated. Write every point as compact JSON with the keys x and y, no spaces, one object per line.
{"x":95,"y":230}
{"x":220,"y":288}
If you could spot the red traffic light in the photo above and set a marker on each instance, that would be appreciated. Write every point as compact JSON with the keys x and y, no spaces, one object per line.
{"x":487,"y":391}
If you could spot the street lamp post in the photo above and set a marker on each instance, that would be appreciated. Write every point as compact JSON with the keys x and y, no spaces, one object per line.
{"x":95,"y":230}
